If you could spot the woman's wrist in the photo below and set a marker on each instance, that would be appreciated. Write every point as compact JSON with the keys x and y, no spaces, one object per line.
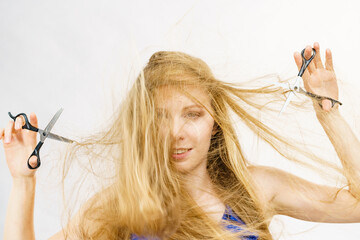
{"x":331,"y":120}
{"x":322,"y":114}
{"x":27,"y":182}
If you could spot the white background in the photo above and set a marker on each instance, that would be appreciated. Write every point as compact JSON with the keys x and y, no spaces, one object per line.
{"x":77,"y":54}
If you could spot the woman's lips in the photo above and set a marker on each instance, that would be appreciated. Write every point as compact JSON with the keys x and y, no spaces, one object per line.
{"x":182,"y":155}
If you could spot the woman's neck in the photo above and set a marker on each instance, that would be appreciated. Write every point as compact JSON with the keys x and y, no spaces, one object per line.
{"x":202,"y":190}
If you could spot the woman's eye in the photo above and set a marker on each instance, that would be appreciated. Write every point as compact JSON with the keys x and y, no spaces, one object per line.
{"x":160,"y":115}
{"x":193,"y":115}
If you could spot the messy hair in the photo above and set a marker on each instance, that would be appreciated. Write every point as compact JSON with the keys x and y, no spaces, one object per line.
{"x":145,"y":194}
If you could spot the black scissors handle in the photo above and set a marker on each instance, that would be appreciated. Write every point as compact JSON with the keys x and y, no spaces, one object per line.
{"x":30,"y":127}
{"x":320,"y":98}
{"x":43,"y":135}
{"x":27,"y":125}
{"x":306,"y":62}
{"x":35,"y":153}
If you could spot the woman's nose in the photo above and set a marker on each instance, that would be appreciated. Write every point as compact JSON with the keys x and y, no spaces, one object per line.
{"x":176,"y":129}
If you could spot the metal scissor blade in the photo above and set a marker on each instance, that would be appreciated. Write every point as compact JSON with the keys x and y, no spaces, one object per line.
{"x":302,"y":91}
{"x":59,"y":138}
{"x":296,"y":85}
{"x":288,"y":99}
{"x":50,"y":125}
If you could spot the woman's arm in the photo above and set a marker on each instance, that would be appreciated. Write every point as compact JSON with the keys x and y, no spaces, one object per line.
{"x":290,"y":195}
{"x":19,"y":225}
{"x":20,"y":211}
{"x":346,"y":145}
{"x":322,"y":81}
{"x":296,"y":197}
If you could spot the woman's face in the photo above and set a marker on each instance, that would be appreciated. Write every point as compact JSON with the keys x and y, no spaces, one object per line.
{"x":190,"y":125}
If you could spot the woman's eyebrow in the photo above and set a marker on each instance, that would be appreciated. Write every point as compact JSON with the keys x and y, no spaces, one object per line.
{"x":192,"y":106}
{"x":185,"y":108}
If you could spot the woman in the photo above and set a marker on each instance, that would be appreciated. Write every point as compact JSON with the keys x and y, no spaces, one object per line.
{"x":178,"y":170}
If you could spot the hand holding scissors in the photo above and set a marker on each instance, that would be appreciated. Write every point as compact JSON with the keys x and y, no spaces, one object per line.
{"x":43,"y":135}
{"x":319,"y":82}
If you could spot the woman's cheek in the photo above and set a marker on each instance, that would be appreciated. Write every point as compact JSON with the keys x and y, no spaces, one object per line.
{"x":206,"y":130}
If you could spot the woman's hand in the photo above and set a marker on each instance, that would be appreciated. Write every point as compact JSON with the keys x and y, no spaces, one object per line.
{"x":18,"y":145}
{"x":318,"y":79}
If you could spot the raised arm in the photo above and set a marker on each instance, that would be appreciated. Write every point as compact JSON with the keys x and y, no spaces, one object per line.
{"x":18,"y":145}
{"x":322,"y":81}
{"x":346,"y":145}
{"x":290,"y":195}
{"x":19,"y":224}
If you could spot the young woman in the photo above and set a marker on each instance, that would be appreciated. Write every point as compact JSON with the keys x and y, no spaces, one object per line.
{"x":178,"y":170}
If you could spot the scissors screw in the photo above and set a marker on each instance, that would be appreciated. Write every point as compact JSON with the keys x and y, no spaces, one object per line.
{"x":44,"y":134}
{"x":295,"y":87}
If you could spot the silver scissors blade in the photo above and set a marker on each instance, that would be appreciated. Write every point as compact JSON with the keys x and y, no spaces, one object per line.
{"x":293,"y":88}
{"x":56,"y":137}
{"x":51,"y":124}
{"x":288,"y":99}
{"x":59,"y":138}
{"x":296,"y":85}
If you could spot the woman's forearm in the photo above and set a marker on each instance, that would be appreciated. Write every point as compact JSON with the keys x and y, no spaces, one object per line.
{"x":19,"y":223}
{"x":346,"y":145}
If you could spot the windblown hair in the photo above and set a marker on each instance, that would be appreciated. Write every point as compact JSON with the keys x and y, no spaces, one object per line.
{"x":145,"y":194}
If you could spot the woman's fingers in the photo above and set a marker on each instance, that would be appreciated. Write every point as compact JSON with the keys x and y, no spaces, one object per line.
{"x":19,"y":122}
{"x":316,"y":75}
{"x":316,"y":63}
{"x":329,"y":61}
{"x":308,"y":53}
{"x":298,"y":61}
{"x":317,"y":58}
{"x":14,"y":129}
{"x":33,"y":161}
{"x":33,"y":120}
{"x":2,"y":133}
{"x":18,"y":144}
{"x":326,"y":105}
{"x":8,"y":132}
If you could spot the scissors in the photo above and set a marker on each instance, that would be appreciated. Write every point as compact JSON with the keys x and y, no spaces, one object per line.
{"x":296,"y":87}
{"x":43,"y":135}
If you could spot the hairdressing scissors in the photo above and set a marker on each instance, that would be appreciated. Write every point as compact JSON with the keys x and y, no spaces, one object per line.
{"x":296,"y":87}
{"x":43,"y":134}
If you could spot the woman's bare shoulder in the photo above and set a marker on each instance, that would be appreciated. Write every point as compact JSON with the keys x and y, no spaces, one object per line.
{"x":58,"y":236}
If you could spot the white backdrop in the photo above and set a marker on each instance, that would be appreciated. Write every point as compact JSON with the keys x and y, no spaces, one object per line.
{"x":70,"y":53}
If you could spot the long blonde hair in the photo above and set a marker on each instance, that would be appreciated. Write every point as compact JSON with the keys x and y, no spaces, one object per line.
{"x":145,"y":194}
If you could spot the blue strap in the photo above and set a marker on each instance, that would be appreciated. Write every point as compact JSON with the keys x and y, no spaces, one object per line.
{"x":229,"y":216}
